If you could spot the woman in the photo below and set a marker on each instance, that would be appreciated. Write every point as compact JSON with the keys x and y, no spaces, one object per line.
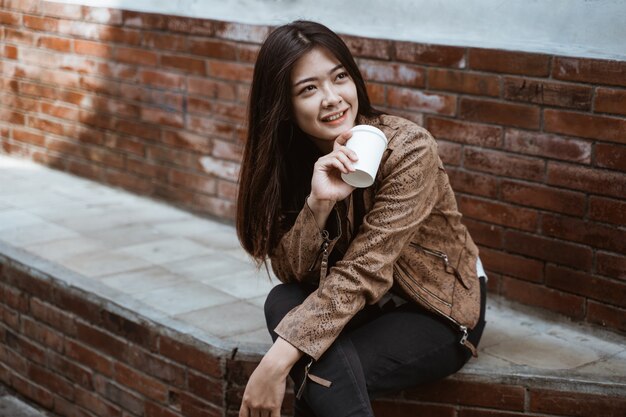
{"x":381,"y":289}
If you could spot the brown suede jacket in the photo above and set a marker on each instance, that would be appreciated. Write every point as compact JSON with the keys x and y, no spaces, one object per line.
{"x":411,"y":238}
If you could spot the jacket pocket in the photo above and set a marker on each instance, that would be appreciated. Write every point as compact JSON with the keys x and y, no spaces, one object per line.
{"x":448,"y":267}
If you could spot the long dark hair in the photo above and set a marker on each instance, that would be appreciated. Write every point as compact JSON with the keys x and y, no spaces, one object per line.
{"x":278,"y":158}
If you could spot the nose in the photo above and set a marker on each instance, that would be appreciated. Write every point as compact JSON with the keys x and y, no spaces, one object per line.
{"x":331,"y":97}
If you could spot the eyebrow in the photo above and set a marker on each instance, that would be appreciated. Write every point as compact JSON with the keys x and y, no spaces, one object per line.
{"x":306,"y":80}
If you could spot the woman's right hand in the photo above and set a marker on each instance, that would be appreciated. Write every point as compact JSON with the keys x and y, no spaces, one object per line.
{"x":326,"y":184}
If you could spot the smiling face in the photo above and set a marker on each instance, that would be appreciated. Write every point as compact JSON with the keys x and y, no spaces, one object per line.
{"x":323,"y":96}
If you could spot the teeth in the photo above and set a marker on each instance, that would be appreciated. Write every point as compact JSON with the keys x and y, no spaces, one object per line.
{"x":335,"y":117}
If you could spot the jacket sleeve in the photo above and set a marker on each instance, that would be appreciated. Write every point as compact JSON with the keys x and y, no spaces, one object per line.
{"x":297,"y":255}
{"x":406,"y":196}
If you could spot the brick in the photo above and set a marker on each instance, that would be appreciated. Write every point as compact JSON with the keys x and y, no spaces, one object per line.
{"x":504,"y":164}
{"x":143,"y":384}
{"x":507,"y":397}
{"x":368,"y":47}
{"x":584,"y":125}
{"x":512,"y":265}
{"x":156,"y":366}
{"x":144,"y":20}
{"x":131,"y":329}
{"x":128,"y":182}
{"x":166,"y":41}
{"x":605,"y":315}
{"x":174,"y":157}
{"x":226,"y":150}
{"x":469,"y":412}
{"x":596,"y":71}
{"x":200,"y":183}
{"x":591,"y":180}
{"x":20,"y":35}
{"x":10,"y":318}
{"x":12,"y":117}
{"x":193,"y":142}
{"x":589,"y":286}
{"x":11,"y":52}
{"x":608,"y":100}
{"x":405,"y":98}
{"x":92,"y":48}
{"x":232,"y":112}
{"x":37,"y":394}
{"x":510,"y":62}
{"x":211,"y":88}
{"x":227,"y":190}
{"x":88,"y":357}
{"x":10,"y":18}
{"x":539,"y":296}
{"x":213,"y":48}
{"x":498,"y":213}
{"x":51,"y":381}
{"x":473,"y":183}
{"x":95,"y":404}
{"x":210,"y":127}
{"x":120,"y":396}
{"x":450,"y":153}
{"x":67,"y":11}
{"x":548,"y":145}
{"x":247,"y":53}
{"x":611,"y":265}
{"x":193,"y":407}
{"x":45,"y":24}
{"x":485,"y":234}
{"x":55,"y":43}
{"x":185,"y":64}
{"x":100,"y":340}
{"x":611,"y":156}
{"x":560,"y":252}
{"x":547,"y":198}
{"x":190,"y":25}
{"x":547,"y":93}
{"x":141,"y":130}
{"x":414,"y":116}
{"x":136,"y":56}
{"x":575,"y":404}
{"x":161,"y":117}
{"x":191,"y":356}
{"x":376,"y":93}
{"x":147,"y":170}
{"x":162,"y":79}
{"x":16,"y":299}
{"x":392,"y":73}
{"x":498,"y":112}
{"x":463,"y":82}
{"x":75,"y":373}
{"x":607,"y":210}
{"x":395,"y":409}
{"x":437,"y":55}
{"x":241,"y":31}
{"x":233,"y":71}
{"x":153,"y":410}
{"x":118,"y":35}
{"x":61,"y":111}
{"x":465,"y":132}
{"x":33,"y":286}
{"x":209,"y":389}
{"x":42,"y":334}
{"x":102,"y":15}
{"x":590,"y":233}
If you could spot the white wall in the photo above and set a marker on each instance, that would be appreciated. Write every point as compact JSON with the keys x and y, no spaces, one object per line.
{"x":584,"y":28}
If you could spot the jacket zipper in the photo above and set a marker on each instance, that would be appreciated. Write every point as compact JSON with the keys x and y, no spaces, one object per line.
{"x":426,"y":289}
{"x":323,"y":252}
{"x":445,"y":259}
{"x":461,"y":327}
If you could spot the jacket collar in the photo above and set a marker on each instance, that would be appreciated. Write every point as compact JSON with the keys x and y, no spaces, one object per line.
{"x":389,"y":126}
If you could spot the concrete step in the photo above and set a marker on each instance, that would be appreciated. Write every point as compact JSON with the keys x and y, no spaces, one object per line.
{"x":123,"y":304}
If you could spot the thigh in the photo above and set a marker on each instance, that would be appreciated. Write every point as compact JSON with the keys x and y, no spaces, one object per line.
{"x":406,"y":347}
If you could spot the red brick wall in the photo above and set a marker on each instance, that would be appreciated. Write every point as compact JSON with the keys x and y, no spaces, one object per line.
{"x":535,"y":144}
{"x":73,"y":355}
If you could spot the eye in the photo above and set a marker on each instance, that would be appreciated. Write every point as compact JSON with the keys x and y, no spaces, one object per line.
{"x":342,"y":75}
{"x":307,"y":89}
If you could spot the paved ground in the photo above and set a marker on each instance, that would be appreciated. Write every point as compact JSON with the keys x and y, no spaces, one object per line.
{"x":12,"y":407}
{"x":189,"y":273}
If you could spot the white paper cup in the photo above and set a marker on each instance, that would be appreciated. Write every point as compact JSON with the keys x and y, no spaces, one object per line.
{"x":369,"y":143}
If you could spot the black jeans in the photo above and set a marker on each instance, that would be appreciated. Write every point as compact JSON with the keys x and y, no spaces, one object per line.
{"x":378,"y":352}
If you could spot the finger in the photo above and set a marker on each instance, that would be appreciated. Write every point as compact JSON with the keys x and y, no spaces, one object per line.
{"x":343,"y":138}
{"x":275,"y":412}
{"x":351,"y":154}
{"x":244,"y":411}
{"x":343,"y":158}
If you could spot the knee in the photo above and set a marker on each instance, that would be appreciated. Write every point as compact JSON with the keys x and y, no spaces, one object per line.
{"x":281,"y":299}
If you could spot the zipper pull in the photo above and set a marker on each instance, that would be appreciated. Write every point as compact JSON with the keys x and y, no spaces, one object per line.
{"x":306,"y":375}
{"x":467,"y":343}
{"x":324,"y":246}
{"x":324,"y":264}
